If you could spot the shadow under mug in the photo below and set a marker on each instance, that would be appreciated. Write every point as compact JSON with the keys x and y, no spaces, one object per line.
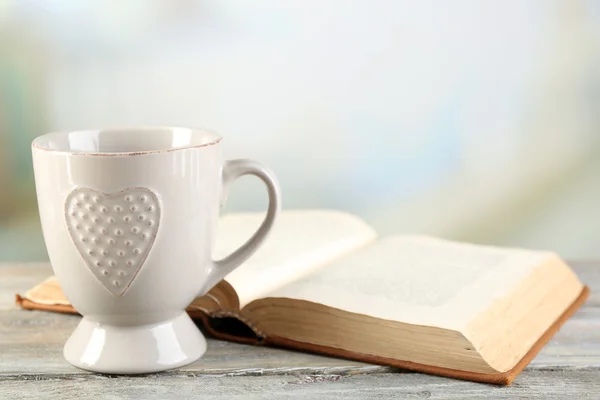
{"x":129,"y":218}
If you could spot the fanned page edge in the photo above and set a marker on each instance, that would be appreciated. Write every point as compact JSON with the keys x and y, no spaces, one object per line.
{"x":502,"y":378}
{"x":28,"y":304}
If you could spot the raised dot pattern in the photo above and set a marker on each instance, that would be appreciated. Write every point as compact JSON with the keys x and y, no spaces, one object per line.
{"x":113,"y":233}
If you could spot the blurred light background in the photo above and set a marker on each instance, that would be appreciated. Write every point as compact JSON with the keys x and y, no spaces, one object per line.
{"x":473,"y":120}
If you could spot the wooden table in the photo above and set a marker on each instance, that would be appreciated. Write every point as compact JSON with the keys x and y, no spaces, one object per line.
{"x":31,"y":363}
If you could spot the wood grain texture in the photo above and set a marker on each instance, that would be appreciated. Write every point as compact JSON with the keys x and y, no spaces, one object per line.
{"x":31,"y":344}
{"x":31,"y":362}
{"x":532,"y":384}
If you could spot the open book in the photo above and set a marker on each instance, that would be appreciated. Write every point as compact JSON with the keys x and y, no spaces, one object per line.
{"x":324,"y":283}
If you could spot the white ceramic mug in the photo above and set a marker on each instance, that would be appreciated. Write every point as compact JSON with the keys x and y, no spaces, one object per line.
{"x":129,"y":218}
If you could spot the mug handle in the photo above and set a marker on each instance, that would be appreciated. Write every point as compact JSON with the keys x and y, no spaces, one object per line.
{"x":232,"y":170}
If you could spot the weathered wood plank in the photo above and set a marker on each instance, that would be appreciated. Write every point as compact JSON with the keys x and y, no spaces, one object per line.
{"x":31,"y":362}
{"x":531,"y":384}
{"x":31,"y":344}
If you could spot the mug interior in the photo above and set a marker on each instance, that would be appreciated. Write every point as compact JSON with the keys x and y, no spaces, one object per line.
{"x":132,"y":140}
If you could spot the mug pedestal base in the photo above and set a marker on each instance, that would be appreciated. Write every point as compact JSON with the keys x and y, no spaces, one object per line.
{"x":110,"y":349}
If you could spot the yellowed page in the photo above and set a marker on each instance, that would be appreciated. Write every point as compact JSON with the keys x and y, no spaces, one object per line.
{"x":418,"y":280}
{"x":301,"y":242}
{"x":47,"y":292}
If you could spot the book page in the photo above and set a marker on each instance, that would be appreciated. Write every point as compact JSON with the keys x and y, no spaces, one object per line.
{"x":48,"y":292}
{"x":301,"y":242}
{"x":417,"y":280}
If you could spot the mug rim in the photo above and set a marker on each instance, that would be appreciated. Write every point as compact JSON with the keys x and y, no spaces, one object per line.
{"x":40,"y":142}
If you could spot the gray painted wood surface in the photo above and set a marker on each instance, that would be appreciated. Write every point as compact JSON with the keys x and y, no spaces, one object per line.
{"x":31,"y":363}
